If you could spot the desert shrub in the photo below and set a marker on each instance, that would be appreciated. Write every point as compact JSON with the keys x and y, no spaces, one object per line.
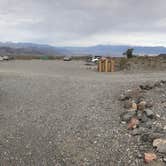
{"x":122,"y":63}
{"x":129,"y":53}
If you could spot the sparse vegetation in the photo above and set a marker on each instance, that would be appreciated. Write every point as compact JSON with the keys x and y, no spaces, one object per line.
{"x":129,"y":53}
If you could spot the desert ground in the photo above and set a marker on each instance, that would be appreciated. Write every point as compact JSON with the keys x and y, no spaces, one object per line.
{"x":55,"y":113}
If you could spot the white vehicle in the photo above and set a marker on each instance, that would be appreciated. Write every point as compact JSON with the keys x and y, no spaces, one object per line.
{"x":95,"y":59}
{"x":5,"y":57}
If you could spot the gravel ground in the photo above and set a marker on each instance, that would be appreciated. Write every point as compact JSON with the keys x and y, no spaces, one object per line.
{"x":60,"y":113}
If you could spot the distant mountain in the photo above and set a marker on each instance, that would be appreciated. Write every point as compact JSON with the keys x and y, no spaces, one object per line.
{"x":105,"y":50}
{"x":115,"y":50}
{"x":31,"y":49}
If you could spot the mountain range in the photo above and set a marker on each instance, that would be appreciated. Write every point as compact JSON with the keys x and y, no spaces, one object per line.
{"x":44,"y":49}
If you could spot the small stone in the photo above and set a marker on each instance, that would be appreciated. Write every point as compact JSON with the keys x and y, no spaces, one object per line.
{"x":123,"y":97}
{"x":149,"y":157}
{"x":126,"y":116}
{"x":162,"y":148}
{"x":138,"y":131}
{"x":158,"y":116}
{"x":144,"y":118}
{"x":146,"y":86}
{"x":134,"y":106}
{"x":142,"y":105}
{"x":156,"y":142}
{"x":148,"y":124}
{"x":139,"y":156}
{"x":149,"y":113}
{"x":150,"y":136}
{"x":149,"y":104}
{"x":139,"y":115}
{"x":128,"y":104}
{"x":134,"y":122}
{"x":133,"y":93}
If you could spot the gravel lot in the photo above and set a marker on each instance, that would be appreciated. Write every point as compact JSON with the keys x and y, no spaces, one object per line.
{"x":61,"y":113}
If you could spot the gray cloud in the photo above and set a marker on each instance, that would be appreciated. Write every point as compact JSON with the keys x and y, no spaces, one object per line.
{"x":68,"y":22}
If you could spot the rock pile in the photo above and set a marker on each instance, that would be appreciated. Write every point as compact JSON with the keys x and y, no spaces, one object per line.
{"x":144,"y":123}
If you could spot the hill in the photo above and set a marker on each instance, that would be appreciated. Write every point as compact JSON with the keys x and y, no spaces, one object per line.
{"x":43,"y":49}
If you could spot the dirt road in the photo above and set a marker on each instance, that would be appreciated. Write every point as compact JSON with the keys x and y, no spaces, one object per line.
{"x":60,"y":113}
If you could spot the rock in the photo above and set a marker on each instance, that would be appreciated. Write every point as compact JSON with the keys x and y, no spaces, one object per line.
{"x":138,"y":131}
{"x":144,"y":118}
{"x":156,"y":142}
{"x":149,"y":113}
{"x":139,"y":115}
{"x":134,"y":122}
{"x":158,"y":84}
{"x":147,"y":86}
{"x":149,"y":104}
{"x":162,"y":148}
{"x":150,"y":136}
{"x":163,"y":81}
{"x":149,"y":157}
{"x":142,"y":105}
{"x":148,"y":124}
{"x":160,"y":144}
{"x":123,"y":97}
{"x":158,"y":116}
{"x":157,"y":163}
{"x":133,"y":93}
{"x":126,"y":116}
{"x":128,"y":104}
{"x":134,"y":106}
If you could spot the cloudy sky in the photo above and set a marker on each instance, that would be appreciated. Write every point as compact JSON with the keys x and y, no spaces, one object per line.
{"x":84,"y":22}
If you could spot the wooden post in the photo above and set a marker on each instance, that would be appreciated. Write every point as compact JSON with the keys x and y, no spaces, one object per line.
{"x":106,"y":65}
{"x":112,"y":65}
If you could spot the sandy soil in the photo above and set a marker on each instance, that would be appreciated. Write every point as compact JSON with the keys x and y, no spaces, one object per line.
{"x":61,"y":113}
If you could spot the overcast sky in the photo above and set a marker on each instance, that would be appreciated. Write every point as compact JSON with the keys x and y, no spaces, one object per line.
{"x":84,"y":22}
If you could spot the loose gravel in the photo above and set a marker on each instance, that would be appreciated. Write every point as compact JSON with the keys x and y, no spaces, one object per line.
{"x":61,"y":113}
